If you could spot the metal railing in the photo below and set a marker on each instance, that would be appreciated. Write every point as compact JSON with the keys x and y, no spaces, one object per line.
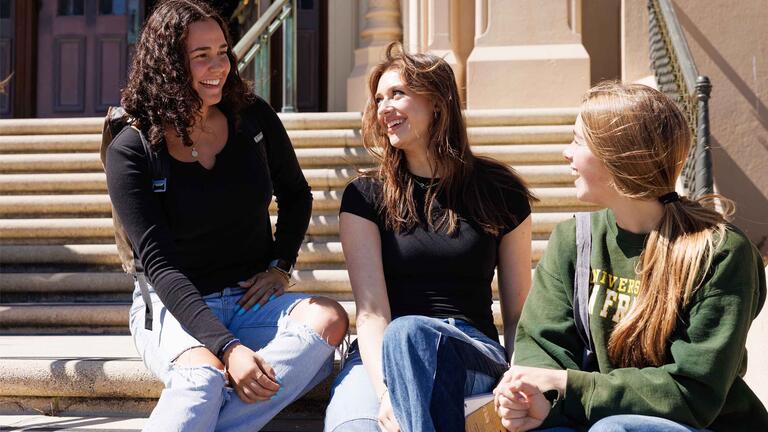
{"x":677,"y":77}
{"x":254,"y":47}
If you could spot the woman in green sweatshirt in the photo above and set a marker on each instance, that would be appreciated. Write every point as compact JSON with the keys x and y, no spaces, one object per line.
{"x":673,"y":289}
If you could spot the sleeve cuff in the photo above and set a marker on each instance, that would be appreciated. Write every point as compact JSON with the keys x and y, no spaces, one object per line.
{"x":578,"y":392}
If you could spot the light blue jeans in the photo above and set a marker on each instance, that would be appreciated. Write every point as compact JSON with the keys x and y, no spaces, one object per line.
{"x":429,"y":366}
{"x":198,"y":398}
{"x":632,"y":423}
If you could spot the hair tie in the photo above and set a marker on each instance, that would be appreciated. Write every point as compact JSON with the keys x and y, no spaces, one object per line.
{"x":669,"y":198}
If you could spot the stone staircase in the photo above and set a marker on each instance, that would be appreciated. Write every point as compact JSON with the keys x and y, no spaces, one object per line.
{"x":64,"y":301}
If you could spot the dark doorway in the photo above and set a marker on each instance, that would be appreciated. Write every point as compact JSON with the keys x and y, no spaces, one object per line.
{"x":7,"y":42}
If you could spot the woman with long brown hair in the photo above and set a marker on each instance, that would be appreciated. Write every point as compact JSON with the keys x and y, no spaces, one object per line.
{"x":422,"y":235}
{"x":673,"y":290}
{"x":232,"y":347}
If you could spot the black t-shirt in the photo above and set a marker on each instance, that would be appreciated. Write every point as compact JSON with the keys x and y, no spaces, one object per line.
{"x":211,"y":228}
{"x":433,"y":273}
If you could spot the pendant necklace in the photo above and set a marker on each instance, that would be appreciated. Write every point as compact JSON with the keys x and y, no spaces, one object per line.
{"x":423,"y":185}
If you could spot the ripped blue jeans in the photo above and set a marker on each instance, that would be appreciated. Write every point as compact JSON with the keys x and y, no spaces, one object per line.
{"x":198,"y":398}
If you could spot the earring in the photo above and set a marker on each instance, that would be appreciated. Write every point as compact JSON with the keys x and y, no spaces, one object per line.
{"x":435,"y":113}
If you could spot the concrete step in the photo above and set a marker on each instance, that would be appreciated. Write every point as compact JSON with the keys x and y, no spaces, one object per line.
{"x":301,"y":139}
{"x":311,"y":253}
{"x":327,"y":201}
{"x":308,"y":158}
{"x":92,"y":375}
{"x":83,"y":284}
{"x":17,"y":230}
{"x":98,"y":204}
{"x":287,"y":421}
{"x":312,"y":280}
{"x":303,"y":121}
{"x":90,"y":423}
{"x":112,"y":317}
{"x":318,"y":178}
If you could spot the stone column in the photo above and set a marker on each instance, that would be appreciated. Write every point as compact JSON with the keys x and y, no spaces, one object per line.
{"x":527,"y":54}
{"x":635,"y":65}
{"x":382,"y":26}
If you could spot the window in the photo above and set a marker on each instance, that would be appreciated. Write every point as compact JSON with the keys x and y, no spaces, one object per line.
{"x":5,"y":9}
{"x":71,"y":7}
{"x":112,"y":7}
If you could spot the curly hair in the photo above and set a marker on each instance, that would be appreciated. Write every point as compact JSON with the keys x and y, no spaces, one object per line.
{"x":159,"y":91}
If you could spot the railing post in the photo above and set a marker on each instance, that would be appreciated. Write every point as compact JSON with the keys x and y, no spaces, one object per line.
{"x":289,"y":57}
{"x":703,"y":152}
{"x":262,"y":68}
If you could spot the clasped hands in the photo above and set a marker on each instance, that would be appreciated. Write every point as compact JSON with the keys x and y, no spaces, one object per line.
{"x":250,"y":375}
{"x":519,"y":399}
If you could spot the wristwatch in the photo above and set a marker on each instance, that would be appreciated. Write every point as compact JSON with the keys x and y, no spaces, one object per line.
{"x":553,"y":396}
{"x":282,"y":266}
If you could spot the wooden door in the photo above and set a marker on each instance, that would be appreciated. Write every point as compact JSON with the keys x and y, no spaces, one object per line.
{"x":311,"y":55}
{"x":83,"y":48}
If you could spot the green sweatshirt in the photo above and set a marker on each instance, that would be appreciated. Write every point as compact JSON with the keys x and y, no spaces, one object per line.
{"x":701,"y":385}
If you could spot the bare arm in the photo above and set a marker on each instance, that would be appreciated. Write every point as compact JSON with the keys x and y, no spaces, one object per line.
{"x":361,"y":242}
{"x":514,"y":278}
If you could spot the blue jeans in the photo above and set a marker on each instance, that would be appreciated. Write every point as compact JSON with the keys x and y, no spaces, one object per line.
{"x":632,"y":423}
{"x":197,"y":398}
{"x":429,"y":366}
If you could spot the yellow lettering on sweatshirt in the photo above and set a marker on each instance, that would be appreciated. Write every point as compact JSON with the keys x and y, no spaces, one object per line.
{"x":622,"y":307}
{"x":610,"y":299}
{"x":622,"y":285}
{"x":593,"y":298}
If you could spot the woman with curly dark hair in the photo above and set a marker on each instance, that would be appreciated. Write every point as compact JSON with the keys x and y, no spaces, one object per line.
{"x":217,"y":276}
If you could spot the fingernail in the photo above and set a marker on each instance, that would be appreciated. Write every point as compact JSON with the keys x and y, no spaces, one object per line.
{"x":240,"y":312}
{"x":255,"y":307}
{"x":276,"y":394}
{"x":272,"y":297}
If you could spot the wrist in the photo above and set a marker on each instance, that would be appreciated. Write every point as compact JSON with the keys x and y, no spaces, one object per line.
{"x":281,"y":267}
{"x":226,"y":351}
{"x":382,"y":394}
{"x":284,"y":276}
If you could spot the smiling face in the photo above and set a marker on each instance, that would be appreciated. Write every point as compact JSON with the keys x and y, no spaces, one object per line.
{"x":594,"y":183}
{"x":403,"y":114}
{"x":208,"y":62}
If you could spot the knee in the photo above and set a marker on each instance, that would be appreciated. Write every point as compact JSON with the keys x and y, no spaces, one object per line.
{"x":617,"y":423}
{"x":407,"y":330}
{"x":200,"y":379}
{"x":327,"y":317}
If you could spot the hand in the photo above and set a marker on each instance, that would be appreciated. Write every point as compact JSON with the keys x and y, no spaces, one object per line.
{"x":543,"y":379}
{"x":387,"y":420}
{"x":251,"y":376}
{"x":521,"y":406}
{"x":261,"y":288}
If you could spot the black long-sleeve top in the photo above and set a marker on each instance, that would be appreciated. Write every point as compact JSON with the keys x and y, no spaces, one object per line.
{"x":211,"y":228}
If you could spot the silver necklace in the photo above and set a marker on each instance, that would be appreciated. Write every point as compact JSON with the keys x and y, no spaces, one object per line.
{"x":423,"y":185}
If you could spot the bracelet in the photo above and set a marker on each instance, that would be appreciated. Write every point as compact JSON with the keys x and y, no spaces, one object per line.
{"x":283,"y":274}
{"x":381,"y":396}
{"x":227,"y":346}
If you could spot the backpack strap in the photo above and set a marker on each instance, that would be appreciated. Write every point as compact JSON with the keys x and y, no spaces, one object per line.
{"x":581,"y":288}
{"x":115,"y":122}
{"x":160,"y":166}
